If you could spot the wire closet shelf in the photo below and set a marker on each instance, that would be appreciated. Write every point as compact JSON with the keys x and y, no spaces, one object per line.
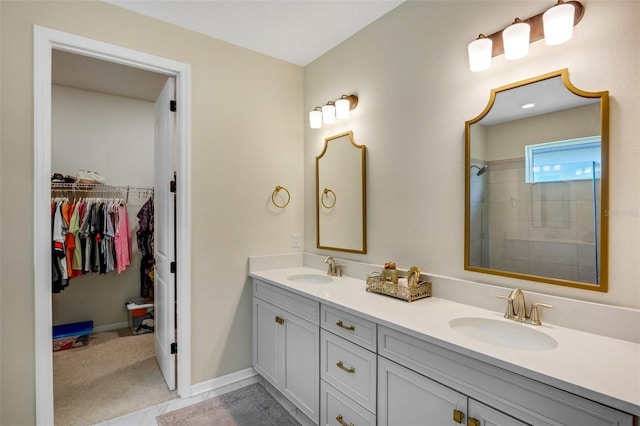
{"x":71,"y":190}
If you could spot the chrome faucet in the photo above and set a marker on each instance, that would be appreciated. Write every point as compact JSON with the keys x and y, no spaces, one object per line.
{"x":517,"y":308}
{"x":335,"y":270}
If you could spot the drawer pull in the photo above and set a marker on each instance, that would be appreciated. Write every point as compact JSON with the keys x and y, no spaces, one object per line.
{"x":342,"y":422}
{"x":279,"y":320}
{"x":458,"y":416}
{"x":472,"y":422}
{"x":346,"y":327}
{"x":340,"y":365}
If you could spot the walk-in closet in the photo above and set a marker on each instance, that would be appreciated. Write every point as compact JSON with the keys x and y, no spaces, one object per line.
{"x":102,"y":215}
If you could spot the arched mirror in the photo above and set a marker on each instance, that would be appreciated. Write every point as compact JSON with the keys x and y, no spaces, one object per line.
{"x":341,"y":194}
{"x":537,"y":184}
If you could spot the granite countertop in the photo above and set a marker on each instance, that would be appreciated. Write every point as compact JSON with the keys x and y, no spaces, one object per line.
{"x":603,"y":369}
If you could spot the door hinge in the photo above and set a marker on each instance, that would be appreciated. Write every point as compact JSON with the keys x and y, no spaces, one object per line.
{"x":174,"y":348}
{"x":172,"y":267}
{"x":173,"y":106}
{"x":172,"y":186}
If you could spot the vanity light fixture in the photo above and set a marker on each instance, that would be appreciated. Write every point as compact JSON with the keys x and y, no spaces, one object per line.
{"x":558,"y":23}
{"x":329,"y":113}
{"x":315,"y":118}
{"x":555,"y":25}
{"x":332,"y":111}
{"x":480,"y":53}
{"x":515,"y":39}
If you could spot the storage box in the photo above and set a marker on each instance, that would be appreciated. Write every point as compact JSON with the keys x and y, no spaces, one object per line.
{"x":69,"y":336}
{"x":141,"y":316}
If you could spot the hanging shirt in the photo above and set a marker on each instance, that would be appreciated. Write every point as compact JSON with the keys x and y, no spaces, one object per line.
{"x":123,"y":239}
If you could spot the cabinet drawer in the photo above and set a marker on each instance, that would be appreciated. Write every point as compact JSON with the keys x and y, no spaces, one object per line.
{"x":527,"y":400}
{"x":351,"y":327}
{"x":336,"y":407}
{"x":298,"y":305}
{"x":349,"y":368}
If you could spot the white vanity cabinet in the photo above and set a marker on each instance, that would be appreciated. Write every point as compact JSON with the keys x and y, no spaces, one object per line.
{"x":407,"y":398}
{"x":286,"y":337}
{"x":347,"y":369}
{"x":435,"y":382}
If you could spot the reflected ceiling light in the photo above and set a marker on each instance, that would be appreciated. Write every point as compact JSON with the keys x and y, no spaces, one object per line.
{"x":515,"y":39}
{"x":315,"y":118}
{"x":555,"y":25}
{"x":527,"y":106}
{"x":558,"y":23}
{"x":480,"y":53}
{"x":332,"y":111}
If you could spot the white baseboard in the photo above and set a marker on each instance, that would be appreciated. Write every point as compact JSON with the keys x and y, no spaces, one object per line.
{"x":227,"y":383}
{"x":109,"y":327}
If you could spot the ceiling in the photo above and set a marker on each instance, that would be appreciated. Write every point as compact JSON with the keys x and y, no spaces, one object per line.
{"x":548,"y":96}
{"x":295,"y":31}
{"x":95,"y":75}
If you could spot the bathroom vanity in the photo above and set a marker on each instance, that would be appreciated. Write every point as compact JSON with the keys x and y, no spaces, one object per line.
{"x":347,"y":357}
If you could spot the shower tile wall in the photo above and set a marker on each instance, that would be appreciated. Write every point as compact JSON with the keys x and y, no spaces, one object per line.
{"x":543,"y":229}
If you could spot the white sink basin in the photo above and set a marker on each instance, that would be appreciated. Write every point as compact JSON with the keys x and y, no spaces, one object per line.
{"x":310,"y":278}
{"x":504,"y":333}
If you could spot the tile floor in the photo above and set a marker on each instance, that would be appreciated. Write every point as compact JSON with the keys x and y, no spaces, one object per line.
{"x":148,"y":416}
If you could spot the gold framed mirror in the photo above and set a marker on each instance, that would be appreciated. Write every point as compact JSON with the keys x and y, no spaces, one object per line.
{"x":537,"y":184}
{"x":341,"y":195}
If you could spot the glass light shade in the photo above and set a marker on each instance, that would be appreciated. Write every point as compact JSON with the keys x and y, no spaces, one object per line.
{"x":315,"y":119}
{"x":558,"y":24}
{"x":329,"y":113}
{"x":342,"y":108}
{"x":516,"y":40}
{"x":480,"y":54}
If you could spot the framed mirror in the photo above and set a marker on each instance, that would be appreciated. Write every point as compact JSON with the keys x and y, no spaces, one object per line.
{"x":537,"y":184}
{"x":341,"y":195}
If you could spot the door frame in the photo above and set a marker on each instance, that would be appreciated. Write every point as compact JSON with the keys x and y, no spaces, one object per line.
{"x":46,"y":39}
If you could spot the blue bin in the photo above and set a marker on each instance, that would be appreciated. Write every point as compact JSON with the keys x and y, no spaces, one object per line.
{"x":67,"y":336}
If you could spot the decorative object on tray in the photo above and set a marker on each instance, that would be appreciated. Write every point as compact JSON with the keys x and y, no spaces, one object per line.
{"x":390,"y":273}
{"x":407,"y":288}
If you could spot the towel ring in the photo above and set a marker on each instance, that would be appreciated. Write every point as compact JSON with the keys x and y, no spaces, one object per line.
{"x":273,"y":197}
{"x":325,"y":194}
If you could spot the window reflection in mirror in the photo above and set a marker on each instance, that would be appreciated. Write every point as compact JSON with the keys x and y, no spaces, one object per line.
{"x":536,"y":184}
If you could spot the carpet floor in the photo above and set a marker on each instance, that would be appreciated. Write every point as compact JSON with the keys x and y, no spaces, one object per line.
{"x":249,"y":406}
{"x":116,"y":374}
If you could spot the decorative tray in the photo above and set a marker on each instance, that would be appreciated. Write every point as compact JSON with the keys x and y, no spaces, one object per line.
{"x":420,"y":290}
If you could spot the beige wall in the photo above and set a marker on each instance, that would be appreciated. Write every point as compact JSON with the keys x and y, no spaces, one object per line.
{"x":410,"y":71}
{"x":247,"y":135}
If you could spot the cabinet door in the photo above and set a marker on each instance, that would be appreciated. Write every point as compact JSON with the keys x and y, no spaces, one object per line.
{"x":301,"y":378}
{"x":337,"y":409}
{"x":487,"y":416}
{"x":406,"y":398}
{"x":266,"y":345}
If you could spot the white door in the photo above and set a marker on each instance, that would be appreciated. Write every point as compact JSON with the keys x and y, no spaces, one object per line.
{"x":164,"y":239}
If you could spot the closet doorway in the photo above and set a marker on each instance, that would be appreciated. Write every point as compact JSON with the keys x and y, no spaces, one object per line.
{"x":170,"y":211}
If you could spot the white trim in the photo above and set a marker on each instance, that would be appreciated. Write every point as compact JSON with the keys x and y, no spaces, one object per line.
{"x":46,"y":39}
{"x":110,"y":327}
{"x":227,"y":383}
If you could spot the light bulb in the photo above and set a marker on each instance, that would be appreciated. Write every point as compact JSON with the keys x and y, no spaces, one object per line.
{"x":480,"y":51}
{"x":516,"y":40}
{"x":315,"y":118}
{"x":342,"y":108}
{"x":558,"y":23}
{"x":329,"y":113}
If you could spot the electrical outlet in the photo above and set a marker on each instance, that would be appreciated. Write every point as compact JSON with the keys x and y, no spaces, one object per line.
{"x":295,"y":240}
